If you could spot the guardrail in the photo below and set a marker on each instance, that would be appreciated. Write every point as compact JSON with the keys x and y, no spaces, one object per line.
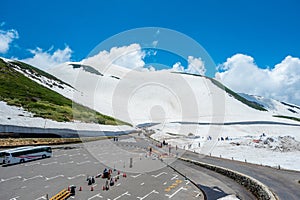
{"x":258,"y":189}
{"x":62,"y":195}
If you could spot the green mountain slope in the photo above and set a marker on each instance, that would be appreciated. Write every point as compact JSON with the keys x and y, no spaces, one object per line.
{"x":18,"y":90}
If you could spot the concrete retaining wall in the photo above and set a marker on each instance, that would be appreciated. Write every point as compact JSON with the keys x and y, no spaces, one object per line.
{"x":258,"y":189}
{"x":55,"y":131}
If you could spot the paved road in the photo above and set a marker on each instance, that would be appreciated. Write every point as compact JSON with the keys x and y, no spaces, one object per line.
{"x":282,"y":182}
{"x":33,"y":180}
{"x":147,"y":178}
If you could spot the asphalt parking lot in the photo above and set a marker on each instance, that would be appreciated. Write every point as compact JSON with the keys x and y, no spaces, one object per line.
{"x":146,"y":176}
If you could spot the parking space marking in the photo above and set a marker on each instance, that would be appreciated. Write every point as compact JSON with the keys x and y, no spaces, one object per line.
{"x":15,"y":198}
{"x":67,"y":163}
{"x":97,"y":195}
{"x":34,"y":177}
{"x":11,"y":178}
{"x":159,"y":174}
{"x":70,"y":178}
{"x":31,"y":164}
{"x":175,"y":176}
{"x":136,"y":176}
{"x":80,"y":163}
{"x":153,"y":191}
{"x":170,"y":196}
{"x":165,"y":183}
{"x":142,"y":183}
{"x":51,"y":163}
{"x":47,"y":179}
{"x":56,"y":156}
{"x":118,"y":184}
{"x":187,"y":182}
{"x":198,"y":193}
{"x":76,"y":154}
{"x":42,"y":197}
{"x":126,"y":193}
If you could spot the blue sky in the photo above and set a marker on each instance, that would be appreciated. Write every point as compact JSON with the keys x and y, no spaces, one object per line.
{"x":267,"y":31}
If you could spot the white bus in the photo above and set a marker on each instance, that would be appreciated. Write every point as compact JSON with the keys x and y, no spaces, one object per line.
{"x":25,"y":154}
{"x":2,"y":152}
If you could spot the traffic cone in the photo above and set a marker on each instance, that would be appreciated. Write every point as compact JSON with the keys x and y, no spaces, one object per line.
{"x":80,"y":188}
{"x":92,"y":188}
{"x":69,"y":188}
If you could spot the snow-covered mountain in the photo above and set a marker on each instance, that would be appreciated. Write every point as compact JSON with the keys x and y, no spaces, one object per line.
{"x":194,"y":112}
{"x":148,"y":96}
{"x":274,"y":106}
{"x":30,"y":97}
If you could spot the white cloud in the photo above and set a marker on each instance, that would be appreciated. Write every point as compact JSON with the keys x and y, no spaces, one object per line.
{"x":195,"y":66}
{"x":46,"y":59}
{"x":282,"y":82}
{"x":6,"y":38}
{"x":126,"y":56}
{"x":177,"y":67}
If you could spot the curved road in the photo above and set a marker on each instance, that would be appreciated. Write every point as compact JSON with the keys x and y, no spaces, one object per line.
{"x":283,"y":183}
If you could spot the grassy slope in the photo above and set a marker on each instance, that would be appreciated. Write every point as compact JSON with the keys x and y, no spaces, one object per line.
{"x":18,"y":90}
{"x":37,"y":71}
{"x":232,"y":93}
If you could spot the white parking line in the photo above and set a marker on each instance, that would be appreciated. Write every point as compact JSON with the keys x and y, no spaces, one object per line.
{"x":66,"y":163}
{"x":97,"y":195}
{"x":198,"y":193}
{"x":31,"y":164}
{"x":3,"y":180}
{"x":165,"y":183}
{"x":80,"y":163}
{"x":118,"y":184}
{"x":118,"y":197}
{"x":70,"y":178}
{"x":38,"y":176}
{"x":77,"y":154}
{"x":175,"y":176}
{"x":136,"y":176}
{"x":42,"y":197}
{"x":47,"y":179}
{"x":15,"y":198}
{"x":153,"y":191}
{"x":170,"y":196}
{"x":51,"y":163}
{"x":56,"y":156}
{"x":187,"y":182}
{"x":159,"y":174}
{"x":142,"y":183}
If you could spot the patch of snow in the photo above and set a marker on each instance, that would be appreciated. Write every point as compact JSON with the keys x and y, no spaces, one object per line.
{"x":229,"y":197}
{"x":12,"y":115}
{"x":271,"y":145}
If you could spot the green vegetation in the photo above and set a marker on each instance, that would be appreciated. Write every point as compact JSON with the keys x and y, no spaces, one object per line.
{"x":287,"y":117}
{"x":232,"y":93}
{"x":38,"y":72}
{"x":18,"y":90}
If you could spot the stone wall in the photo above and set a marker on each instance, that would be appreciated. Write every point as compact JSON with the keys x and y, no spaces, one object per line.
{"x":258,"y":189}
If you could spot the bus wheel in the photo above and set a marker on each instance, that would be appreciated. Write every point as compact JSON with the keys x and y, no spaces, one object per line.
{"x":22,"y":161}
{"x":44,"y":156}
